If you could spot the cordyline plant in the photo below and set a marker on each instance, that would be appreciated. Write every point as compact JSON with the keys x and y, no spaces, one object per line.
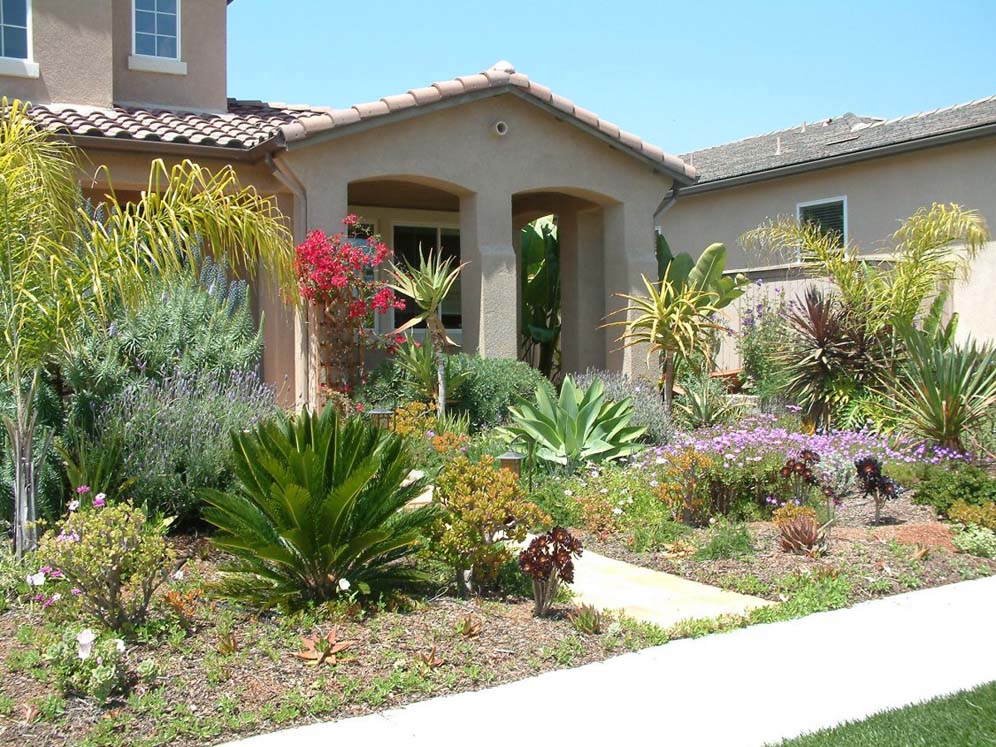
{"x":62,"y":267}
{"x":338,"y":275}
{"x":548,"y":561}
{"x":427,"y":285}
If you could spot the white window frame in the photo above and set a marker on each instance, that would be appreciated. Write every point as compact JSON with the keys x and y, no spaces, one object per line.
{"x":16,"y":67}
{"x":824,"y":201}
{"x":419,"y":334}
{"x":154,"y":63}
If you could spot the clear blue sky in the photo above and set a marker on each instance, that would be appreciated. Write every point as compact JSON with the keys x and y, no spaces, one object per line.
{"x":683,"y":75}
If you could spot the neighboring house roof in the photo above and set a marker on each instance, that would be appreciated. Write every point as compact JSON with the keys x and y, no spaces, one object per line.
{"x":837,"y":140}
{"x":249,"y":125}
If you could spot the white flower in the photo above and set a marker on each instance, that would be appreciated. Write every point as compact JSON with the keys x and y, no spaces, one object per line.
{"x":100,"y":497}
{"x":568,"y":492}
{"x":603,"y":491}
{"x":55,"y":597}
{"x":343,"y":584}
{"x":73,"y":505}
{"x":178,"y":575}
{"x":84,"y":643}
{"x":119,"y":645}
{"x":617,"y":511}
{"x":35,"y":579}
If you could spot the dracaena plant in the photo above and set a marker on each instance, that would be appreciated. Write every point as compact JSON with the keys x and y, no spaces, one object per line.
{"x":318,"y":509}
{"x":577,"y":427}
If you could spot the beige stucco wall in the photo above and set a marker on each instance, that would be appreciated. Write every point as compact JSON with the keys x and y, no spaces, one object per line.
{"x":880,"y":193}
{"x":203,"y":25}
{"x":458,"y":150}
{"x":71,"y":42}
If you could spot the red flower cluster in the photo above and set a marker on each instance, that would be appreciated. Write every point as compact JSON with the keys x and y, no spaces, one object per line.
{"x":551,"y":553}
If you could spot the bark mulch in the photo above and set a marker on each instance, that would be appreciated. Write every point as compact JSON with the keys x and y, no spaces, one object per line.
{"x":909,"y":549}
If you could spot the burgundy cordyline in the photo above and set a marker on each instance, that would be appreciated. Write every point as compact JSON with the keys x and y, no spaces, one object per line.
{"x":547,"y":561}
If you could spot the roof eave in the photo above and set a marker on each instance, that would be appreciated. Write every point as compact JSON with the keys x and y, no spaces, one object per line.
{"x":843,"y":159}
{"x":363,"y":125}
{"x":159,"y":147}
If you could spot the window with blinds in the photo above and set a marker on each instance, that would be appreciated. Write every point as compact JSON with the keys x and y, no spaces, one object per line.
{"x":829,"y":215}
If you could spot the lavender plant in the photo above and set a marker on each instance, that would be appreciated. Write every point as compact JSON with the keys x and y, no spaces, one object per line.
{"x":176,"y":434}
{"x":648,"y":404}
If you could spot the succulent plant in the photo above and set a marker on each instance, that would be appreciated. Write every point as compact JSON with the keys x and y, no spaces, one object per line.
{"x":547,"y":561}
{"x":875,"y":484}
{"x":588,"y":619}
{"x":802,"y":536}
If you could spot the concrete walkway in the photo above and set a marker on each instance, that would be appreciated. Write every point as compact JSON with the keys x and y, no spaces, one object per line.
{"x":738,"y":689}
{"x":649,"y":595}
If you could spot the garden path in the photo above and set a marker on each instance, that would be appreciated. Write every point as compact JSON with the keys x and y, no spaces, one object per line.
{"x":649,"y":595}
{"x":744,"y":688}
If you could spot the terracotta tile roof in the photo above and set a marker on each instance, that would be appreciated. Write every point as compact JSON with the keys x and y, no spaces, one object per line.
{"x":837,"y":136}
{"x":249,"y":124}
{"x":246,"y":125}
{"x":500,"y":76}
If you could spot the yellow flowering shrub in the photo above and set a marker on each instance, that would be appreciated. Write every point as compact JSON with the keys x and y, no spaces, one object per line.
{"x":792,"y":511}
{"x":414,"y":418}
{"x":684,"y":487}
{"x":965,"y":513}
{"x":485,"y":508}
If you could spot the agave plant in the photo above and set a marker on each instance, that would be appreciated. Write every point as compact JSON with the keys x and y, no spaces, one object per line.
{"x":317,"y":510}
{"x":579,"y":426}
{"x":418,"y":361}
{"x":802,"y":536}
{"x":942,"y":391}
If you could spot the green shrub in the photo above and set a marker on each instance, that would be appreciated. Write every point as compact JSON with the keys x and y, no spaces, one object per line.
{"x":726,"y":541}
{"x":983,"y":516}
{"x":494,"y":385}
{"x":484,"y":508}
{"x":578,"y":427}
{"x":176,"y":435}
{"x":976,"y":540}
{"x":941,"y":486}
{"x":654,"y":535}
{"x":319,"y":508}
{"x":645,"y":397}
{"x":114,"y":557}
{"x":90,"y":664}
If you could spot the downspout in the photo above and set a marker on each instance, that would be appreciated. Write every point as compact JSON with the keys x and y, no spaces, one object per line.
{"x":668,"y":202}
{"x":302,"y":344}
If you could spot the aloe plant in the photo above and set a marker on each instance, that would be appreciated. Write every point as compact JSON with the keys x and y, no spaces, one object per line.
{"x":579,"y":426}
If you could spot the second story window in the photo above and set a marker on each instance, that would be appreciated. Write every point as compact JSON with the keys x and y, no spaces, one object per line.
{"x":829,"y":215}
{"x":14,"y":29}
{"x":157,"y":28}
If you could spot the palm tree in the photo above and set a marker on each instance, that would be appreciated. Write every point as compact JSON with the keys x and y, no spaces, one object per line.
{"x":428,"y":285}
{"x":63,"y":267}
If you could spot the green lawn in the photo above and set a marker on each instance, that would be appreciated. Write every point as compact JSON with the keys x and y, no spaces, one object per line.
{"x":967,"y":719}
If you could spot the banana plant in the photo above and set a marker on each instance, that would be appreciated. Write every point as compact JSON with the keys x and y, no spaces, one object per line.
{"x":539,"y":252}
{"x":704,"y":274}
{"x":578,"y":427}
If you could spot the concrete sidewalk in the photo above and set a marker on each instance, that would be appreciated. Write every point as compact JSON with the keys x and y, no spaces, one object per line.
{"x":742,"y":688}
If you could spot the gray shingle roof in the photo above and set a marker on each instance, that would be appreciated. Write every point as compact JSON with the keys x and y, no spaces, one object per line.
{"x":837,"y":136}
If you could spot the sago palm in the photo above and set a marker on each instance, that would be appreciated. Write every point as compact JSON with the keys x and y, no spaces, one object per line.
{"x":428,"y":285}
{"x":62,"y":266}
{"x":319,"y":508}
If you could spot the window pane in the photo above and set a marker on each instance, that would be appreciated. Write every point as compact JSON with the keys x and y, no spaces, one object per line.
{"x":15,"y":13}
{"x":15,"y":42}
{"x":407,"y":242}
{"x":166,"y":46}
{"x":145,"y":44}
{"x":145,"y":4}
{"x":166,"y":6}
{"x":145,"y":22}
{"x":166,"y":24}
{"x":828,"y":216}
{"x":450,"y":245}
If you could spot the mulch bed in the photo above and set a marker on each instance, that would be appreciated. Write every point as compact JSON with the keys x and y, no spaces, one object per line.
{"x":208,"y":693}
{"x":910,"y":549}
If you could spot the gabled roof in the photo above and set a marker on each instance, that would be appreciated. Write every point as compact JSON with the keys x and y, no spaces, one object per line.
{"x":257,"y":125}
{"x":832,"y":141}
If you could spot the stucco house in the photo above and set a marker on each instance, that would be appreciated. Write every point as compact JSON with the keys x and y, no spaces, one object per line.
{"x":459,"y":164}
{"x":858,"y":175}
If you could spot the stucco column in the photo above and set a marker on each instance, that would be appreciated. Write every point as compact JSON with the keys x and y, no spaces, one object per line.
{"x":629,"y":254}
{"x":582,"y":291}
{"x":488,"y":282}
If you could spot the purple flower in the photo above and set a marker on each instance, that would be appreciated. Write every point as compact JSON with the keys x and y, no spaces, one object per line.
{"x":83,"y":489}
{"x":100,"y":501}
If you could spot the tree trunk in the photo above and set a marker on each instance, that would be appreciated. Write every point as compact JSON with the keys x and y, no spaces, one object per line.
{"x":440,"y":384}
{"x":668,"y":381}
{"x":27,"y":463}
